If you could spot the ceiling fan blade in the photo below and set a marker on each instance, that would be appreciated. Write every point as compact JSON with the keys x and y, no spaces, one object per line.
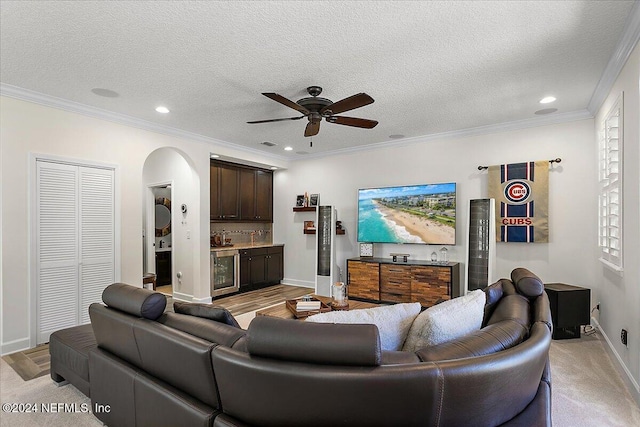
{"x":275,"y":120}
{"x":284,"y":101}
{"x":352,"y":121}
{"x":313,"y":127}
{"x":350,"y":103}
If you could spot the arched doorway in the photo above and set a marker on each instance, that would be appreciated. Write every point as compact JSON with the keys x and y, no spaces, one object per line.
{"x":171,"y":185}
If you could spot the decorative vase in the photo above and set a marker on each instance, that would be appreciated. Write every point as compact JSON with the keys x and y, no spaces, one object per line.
{"x":339,"y":297}
{"x":444,"y":255}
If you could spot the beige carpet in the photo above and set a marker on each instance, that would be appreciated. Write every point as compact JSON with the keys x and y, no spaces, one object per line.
{"x":587,"y":391}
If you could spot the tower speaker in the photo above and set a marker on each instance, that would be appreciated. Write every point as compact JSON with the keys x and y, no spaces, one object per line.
{"x":481,"y":244}
{"x":325,"y":249}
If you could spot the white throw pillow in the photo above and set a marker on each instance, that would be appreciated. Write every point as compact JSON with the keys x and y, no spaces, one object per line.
{"x":446,"y":321}
{"x":393,"y":321}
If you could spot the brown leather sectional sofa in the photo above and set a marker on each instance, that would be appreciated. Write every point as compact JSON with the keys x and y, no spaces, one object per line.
{"x":168,"y":369}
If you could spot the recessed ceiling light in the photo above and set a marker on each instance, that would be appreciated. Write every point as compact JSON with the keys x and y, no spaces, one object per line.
{"x":288,"y":148}
{"x":214,"y":156}
{"x":161,"y":109}
{"x":107,"y":93}
{"x":273,"y":168}
{"x":546,"y":111}
{"x":396,"y":136}
{"x":547,"y":100}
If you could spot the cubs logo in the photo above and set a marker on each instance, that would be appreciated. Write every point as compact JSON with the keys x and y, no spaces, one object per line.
{"x":517,"y":191}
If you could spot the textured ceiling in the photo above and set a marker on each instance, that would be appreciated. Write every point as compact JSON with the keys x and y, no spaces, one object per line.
{"x":431,"y":67}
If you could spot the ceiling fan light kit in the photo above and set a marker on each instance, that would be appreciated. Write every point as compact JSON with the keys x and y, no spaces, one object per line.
{"x":315,"y":109}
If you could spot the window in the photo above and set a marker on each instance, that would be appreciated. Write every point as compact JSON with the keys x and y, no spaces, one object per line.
{"x":610,"y":176}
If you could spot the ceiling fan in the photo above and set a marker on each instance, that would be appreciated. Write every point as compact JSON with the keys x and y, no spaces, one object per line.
{"x":315,"y":109}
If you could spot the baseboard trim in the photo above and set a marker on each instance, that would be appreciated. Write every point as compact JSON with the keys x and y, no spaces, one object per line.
{"x":206,"y":300}
{"x":182,"y":297}
{"x":627,"y":377}
{"x":301,"y":283}
{"x":14,"y":346}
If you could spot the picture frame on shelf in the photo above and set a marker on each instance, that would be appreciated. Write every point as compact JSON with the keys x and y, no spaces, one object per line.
{"x":300,"y":200}
{"x":309,"y":225}
{"x":314,"y":199}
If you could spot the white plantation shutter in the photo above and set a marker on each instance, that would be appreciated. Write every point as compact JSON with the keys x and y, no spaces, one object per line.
{"x":610,"y":207}
{"x":75,"y":243}
{"x":97,"y":239}
{"x":57,"y":247}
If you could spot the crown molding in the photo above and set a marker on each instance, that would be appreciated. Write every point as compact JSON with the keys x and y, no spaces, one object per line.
{"x":626,"y":44}
{"x":550,"y":119}
{"x":98,"y":113}
{"x":75,"y":107}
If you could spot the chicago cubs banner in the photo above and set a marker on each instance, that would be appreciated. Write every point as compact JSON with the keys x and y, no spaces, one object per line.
{"x":521,"y":191}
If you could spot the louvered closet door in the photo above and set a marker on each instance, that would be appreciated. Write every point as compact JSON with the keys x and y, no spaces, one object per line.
{"x":75,"y":237}
{"x":57,"y":248}
{"x":97,"y":254}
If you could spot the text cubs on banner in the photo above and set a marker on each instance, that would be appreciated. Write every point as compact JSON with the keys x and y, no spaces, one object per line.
{"x":521,"y":191}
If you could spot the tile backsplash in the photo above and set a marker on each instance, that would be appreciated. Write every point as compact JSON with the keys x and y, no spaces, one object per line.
{"x":242,"y":233}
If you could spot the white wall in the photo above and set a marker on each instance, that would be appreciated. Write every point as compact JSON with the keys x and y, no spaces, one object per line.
{"x":572,"y":197}
{"x":619,"y":295}
{"x":170,"y":165}
{"x":32,"y":128}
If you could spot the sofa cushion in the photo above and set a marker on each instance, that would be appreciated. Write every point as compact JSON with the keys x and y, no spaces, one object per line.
{"x":446,"y":321}
{"x":307,"y":342}
{"x":490,"y":339}
{"x":527,"y":283}
{"x":70,"y":348}
{"x":135,"y":301}
{"x":494,"y":293}
{"x":512,"y":307}
{"x":393,"y":321}
{"x":206,"y":311}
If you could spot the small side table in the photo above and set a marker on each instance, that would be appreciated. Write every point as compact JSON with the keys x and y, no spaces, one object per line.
{"x":569,"y":309}
{"x":149,"y":278}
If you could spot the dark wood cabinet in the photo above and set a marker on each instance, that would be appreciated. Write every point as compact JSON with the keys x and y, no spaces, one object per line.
{"x":240,"y":193}
{"x":225,"y":184}
{"x":256,"y":195}
{"x":261,"y":267}
{"x":274,"y":265}
{"x":363,"y":279}
{"x":380,"y":279}
{"x":163,"y":268}
{"x":264,"y":196}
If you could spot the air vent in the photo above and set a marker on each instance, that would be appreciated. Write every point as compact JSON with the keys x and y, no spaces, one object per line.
{"x":269,"y":144}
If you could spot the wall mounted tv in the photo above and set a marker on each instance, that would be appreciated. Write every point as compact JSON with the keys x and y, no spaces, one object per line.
{"x":424,"y":214}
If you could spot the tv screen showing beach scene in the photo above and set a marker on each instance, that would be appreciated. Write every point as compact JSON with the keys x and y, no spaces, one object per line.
{"x":423,"y":214}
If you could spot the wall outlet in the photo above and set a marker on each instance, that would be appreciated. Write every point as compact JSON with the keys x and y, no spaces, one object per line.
{"x":623,"y":336}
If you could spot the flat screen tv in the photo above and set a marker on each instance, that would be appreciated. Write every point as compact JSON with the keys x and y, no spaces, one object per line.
{"x":423,"y":214}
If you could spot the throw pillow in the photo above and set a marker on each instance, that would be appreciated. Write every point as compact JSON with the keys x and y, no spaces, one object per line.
{"x":447,"y":321}
{"x":393,"y":321}
{"x":206,"y":311}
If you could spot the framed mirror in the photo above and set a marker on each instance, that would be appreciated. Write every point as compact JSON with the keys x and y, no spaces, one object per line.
{"x":163,"y":216}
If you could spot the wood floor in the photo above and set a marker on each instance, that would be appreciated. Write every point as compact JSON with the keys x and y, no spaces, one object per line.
{"x":30,"y":364}
{"x":255,"y":300}
{"x":167,"y":289}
